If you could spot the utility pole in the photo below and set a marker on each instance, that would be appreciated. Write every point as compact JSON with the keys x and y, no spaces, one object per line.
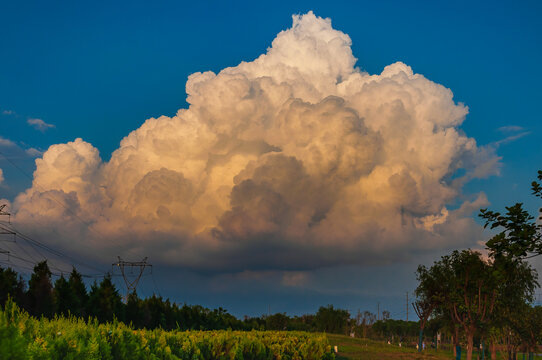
{"x":131,"y":281}
{"x":407,"y":306}
{"x":378,"y":312}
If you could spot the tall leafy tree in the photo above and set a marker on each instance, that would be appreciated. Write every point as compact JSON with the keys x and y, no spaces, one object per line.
{"x":520,"y":235}
{"x":40,"y":291}
{"x":516,"y":283}
{"x":278,"y":321}
{"x":435,"y":286}
{"x":331,"y":320}
{"x":464,"y":286}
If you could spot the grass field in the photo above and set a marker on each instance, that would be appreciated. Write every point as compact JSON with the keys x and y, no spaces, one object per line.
{"x":354,"y":349}
{"x":364,"y":349}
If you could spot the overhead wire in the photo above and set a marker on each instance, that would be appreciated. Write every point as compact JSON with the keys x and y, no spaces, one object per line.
{"x":35,"y":244}
{"x":155,"y":285}
{"x":51,"y":197}
{"x":40,"y":244}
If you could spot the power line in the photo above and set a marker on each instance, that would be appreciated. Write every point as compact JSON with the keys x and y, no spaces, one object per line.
{"x":55,"y":252}
{"x":51,"y":197}
{"x":36,"y":246}
{"x":155,"y":285}
{"x":131,"y":282}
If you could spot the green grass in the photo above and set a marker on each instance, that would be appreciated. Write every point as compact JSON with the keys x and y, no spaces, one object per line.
{"x":355,"y":348}
{"x":365,"y":349}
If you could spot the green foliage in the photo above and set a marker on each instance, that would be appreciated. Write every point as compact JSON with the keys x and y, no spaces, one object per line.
{"x":397,"y":328}
{"x":331,"y":320}
{"x":278,"y":321}
{"x":104,"y":301}
{"x":11,"y":286}
{"x":40,"y":291}
{"x":78,"y":294}
{"x":483,"y":298}
{"x":521,"y":236}
{"x":24,"y":337}
{"x":62,"y":296}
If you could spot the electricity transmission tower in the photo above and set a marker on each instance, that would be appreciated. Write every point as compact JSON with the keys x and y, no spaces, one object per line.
{"x":4,"y":230}
{"x":134,"y":273}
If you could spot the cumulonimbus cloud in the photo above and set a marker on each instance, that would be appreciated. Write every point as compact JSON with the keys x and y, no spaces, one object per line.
{"x":293,"y":161}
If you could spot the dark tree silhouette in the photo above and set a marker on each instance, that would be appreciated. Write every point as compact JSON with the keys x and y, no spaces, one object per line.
{"x":62,"y":296}
{"x":104,"y":301}
{"x":79,"y":296}
{"x":40,"y":291}
{"x":11,"y":285}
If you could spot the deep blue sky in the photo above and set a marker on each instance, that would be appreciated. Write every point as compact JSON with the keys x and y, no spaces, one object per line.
{"x":98,"y":70}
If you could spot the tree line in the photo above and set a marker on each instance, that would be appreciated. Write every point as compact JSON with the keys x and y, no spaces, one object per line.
{"x":41,"y":296}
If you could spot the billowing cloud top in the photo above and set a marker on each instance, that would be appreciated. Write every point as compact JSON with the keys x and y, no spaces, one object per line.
{"x":293,"y":161}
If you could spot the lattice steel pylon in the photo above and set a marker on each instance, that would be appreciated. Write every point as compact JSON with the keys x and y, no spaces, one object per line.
{"x":2,"y":212}
{"x":131,"y":281}
{"x":4,"y":229}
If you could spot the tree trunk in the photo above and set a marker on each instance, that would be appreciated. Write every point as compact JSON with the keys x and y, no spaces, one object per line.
{"x":453,"y":345}
{"x":493,"y":349}
{"x":420,"y":341}
{"x":457,"y":347}
{"x":470,"y":344}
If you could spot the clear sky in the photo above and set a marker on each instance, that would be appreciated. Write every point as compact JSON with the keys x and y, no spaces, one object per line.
{"x":98,"y":70}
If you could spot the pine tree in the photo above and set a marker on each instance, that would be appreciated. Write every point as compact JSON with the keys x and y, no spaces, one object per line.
{"x":105,"y":302}
{"x":40,"y":291}
{"x":62,"y":296}
{"x":11,"y":286}
{"x":79,"y":296}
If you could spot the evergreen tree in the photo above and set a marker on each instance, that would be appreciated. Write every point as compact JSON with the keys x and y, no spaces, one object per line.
{"x":105,"y":302}
{"x":40,"y":291}
{"x":79,"y":296}
{"x":11,"y":286}
{"x":133,"y":310}
{"x":62,"y":296}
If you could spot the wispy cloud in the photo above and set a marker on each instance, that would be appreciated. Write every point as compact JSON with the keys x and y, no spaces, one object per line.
{"x":6,"y":142}
{"x":510,"y":129}
{"x":1,"y":176}
{"x":295,"y":278}
{"x":39,"y":124}
{"x":33,"y":152}
{"x":8,"y":112}
{"x":510,"y":139}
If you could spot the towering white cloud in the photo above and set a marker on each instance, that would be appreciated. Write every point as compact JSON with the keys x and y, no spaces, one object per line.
{"x":293,"y":161}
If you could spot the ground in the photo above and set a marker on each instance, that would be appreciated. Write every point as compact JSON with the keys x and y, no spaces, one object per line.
{"x":355,"y":348}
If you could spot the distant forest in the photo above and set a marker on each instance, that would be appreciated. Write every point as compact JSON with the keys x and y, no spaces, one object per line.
{"x":70,"y":297}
